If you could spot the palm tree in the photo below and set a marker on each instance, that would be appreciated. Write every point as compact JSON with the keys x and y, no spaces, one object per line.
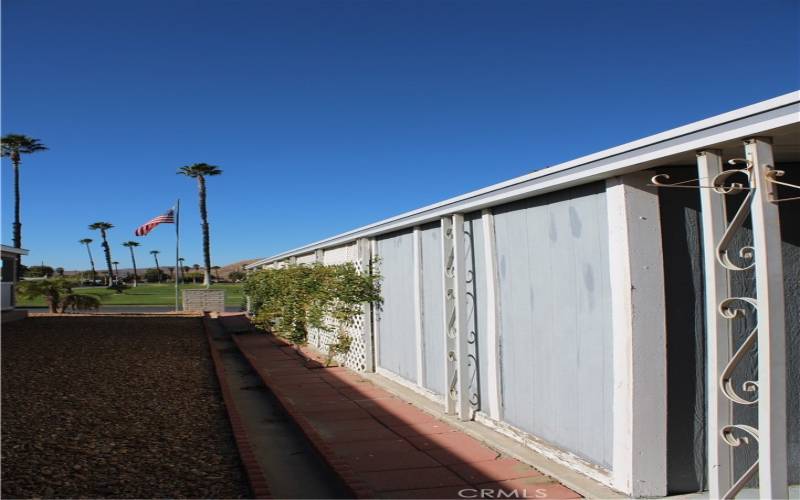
{"x":196,"y":268}
{"x":103,"y":227}
{"x":155,"y":253}
{"x":216,"y":271}
{"x":14,"y":146}
{"x":116,"y":268}
{"x":87,"y":241}
{"x":200,"y":171}
{"x":131,"y":245}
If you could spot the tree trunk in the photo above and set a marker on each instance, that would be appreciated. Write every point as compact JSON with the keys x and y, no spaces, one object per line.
{"x":158,"y":269}
{"x":206,"y":236}
{"x":133,"y":260}
{"x":17,"y":224}
{"x":91,"y":262}
{"x":107,"y":250}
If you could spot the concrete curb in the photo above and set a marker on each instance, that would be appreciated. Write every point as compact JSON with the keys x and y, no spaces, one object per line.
{"x":258,"y":484}
{"x":358,"y":487}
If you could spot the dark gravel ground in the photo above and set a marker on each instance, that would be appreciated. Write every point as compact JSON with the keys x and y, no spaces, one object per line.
{"x":114,"y":407}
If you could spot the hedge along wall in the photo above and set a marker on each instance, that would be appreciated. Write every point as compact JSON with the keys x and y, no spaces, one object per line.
{"x":359,"y":357}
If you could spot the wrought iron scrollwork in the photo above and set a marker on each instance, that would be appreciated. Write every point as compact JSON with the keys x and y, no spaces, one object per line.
{"x":742,"y":178}
{"x":727,"y":310}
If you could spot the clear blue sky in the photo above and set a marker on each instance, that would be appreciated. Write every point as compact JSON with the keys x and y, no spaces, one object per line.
{"x":330,"y":115}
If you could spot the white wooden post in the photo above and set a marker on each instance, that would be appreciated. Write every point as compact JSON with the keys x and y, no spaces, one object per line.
{"x":773,"y":473}
{"x":639,"y":462}
{"x":718,"y":335}
{"x":364,"y":249}
{"x":376,"y":311}
{"x":449,"y":318}
{"x":418,"y":311}
{"x":462,"y":347}
{"x":493,"y":375}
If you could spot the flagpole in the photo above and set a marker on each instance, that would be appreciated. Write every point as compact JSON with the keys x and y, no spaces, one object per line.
{"x":177,"y":251}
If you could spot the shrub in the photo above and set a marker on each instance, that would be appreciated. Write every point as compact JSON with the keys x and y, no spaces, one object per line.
{"x":58,"y":294}
{"x":291,"y":300}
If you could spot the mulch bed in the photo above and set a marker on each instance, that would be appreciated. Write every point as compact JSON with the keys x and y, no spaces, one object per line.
{"x":114,"y":407}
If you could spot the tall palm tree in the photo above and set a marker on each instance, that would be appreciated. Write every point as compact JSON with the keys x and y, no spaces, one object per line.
{"x":216,"y":271}
{"x":200,"y":171}
{"x":14,"y":146}
{"x":116,"y":268}
{"x":155,"y":253}
{"x":103,"y":227}
{"x":87,"y":241}
{"x":131,"y":245}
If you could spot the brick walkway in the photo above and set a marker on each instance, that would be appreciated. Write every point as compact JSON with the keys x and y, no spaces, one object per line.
{"x":380,"y":445}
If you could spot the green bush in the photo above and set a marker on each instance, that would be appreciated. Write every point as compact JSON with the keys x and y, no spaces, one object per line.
{"x":58,"y":295}
{"x":291,"y":300}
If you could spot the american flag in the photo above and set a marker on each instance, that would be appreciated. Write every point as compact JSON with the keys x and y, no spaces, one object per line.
{"x":166,"y":218}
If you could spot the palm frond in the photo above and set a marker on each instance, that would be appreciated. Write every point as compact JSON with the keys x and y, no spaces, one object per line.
{"x":199,"y":169}
{"x":20,"y":144}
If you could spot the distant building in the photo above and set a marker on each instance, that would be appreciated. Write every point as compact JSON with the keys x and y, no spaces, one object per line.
{"x":9,"y":281}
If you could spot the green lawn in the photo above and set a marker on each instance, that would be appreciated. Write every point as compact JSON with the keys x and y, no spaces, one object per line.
{"x":144,"y":295}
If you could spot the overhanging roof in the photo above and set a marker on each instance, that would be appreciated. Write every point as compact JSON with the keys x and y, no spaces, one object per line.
{"x":778,"y":117}
{"x":13,"y":250}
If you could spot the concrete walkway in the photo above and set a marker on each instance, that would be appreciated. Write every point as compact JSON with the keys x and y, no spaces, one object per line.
{"x":382,"y":446}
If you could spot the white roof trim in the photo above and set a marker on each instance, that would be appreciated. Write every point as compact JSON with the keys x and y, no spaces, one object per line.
{"x":749,"y":120}
{"x":14,"y":250}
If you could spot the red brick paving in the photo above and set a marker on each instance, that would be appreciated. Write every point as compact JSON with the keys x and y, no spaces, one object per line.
{"x":382,"y":446}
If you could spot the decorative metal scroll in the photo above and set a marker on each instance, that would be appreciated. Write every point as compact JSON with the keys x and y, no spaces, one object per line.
{"x":728,"y":182}
{"x":452,"y":318}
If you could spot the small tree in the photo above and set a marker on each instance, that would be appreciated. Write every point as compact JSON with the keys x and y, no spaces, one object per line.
{"x":58,"y":295}
{"x":155,"y":253}
{"x":236,"y":276}
{"x":153,"y":275}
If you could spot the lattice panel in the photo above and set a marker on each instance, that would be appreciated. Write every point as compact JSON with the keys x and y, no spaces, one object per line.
{"x":356,"y":358}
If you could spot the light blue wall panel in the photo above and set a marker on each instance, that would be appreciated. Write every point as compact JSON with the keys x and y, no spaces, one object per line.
{"x":555,"y":319}
{"x":396,"y":343}
{"x":432,"y":308}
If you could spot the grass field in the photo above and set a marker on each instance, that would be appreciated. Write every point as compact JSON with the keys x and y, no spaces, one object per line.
{"x":144,"y":295}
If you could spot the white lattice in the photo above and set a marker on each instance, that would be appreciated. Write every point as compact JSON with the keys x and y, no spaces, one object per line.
{"x":355,"y":358}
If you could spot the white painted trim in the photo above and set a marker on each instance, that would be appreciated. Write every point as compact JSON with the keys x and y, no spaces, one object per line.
{"x":637,"y":155}
{"x":364,"y":249}
{"x":720,"y":456}
{"x":639,"y":462}
{"x":772,"y":454}
{"x":494,"y":373}
{"x":418,"y":312}
{"x":447,"y":312}
{"x":436,"y":398}
{"x":462,"y":346}
{"x":376,"y":309}
{"x":546,"y":449}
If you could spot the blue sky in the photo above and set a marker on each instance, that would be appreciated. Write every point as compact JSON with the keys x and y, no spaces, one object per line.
{"x":329,"y":115}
